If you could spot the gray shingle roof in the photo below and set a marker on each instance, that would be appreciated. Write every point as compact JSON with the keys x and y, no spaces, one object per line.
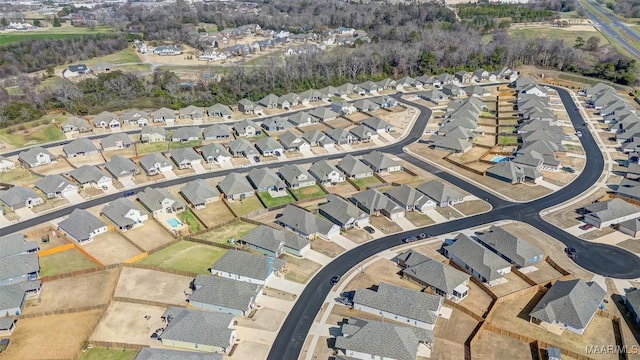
{"x":86,"y":174}
{"x":633,"y":224}
{"x":315,"y":136}
{"x":216,"y":131}
{"x":220,"y":291}
{"x":17,"y":265}
{"x":80,"y":123}
{"x":322,"y":169}
{"x":479,"y":258}
{"x":407,"y":196}
{"x":268,"y":144}
{"x":117,"y":209}
{"x":373,"y":200}
{"x":376,"y":123}
{"x":352,"y":166}
{"x":290,"y":140}
{"x":294,"y":174}
{"x":571,"y":302}
{"x":80,"y":224}
{"x":612,"y":209}
{"x":150,"y":160}
{"x":400,"y":301}
{"x":113,"y":139}
{"x":247,"y":264}
{"x":81,"y":145}
{"x":104,"y":116}
{"x":17,"y":195}
{"x":199,"y":327}
{"x":304,"y":221}
{"x":379,"y":161}
{"x":219,"y":109}
{"x":288,"y":238}
{"x":340,"y":210}
{"x":136,"y":115}
{"x":510,"y":170}
{"x":6,"y":322}
{"x":191,"y":110}
{"x":299,"y":118}
{"x":339,"y":134}
{"x":185,"y":133}
{"x":196,"y":192}
{"x":384,"y":340}
{"x":411,"y":258}
{"x":509,"y":245}
{"x":323,"y":113}
{"x":241,"y":126}
{"x":52,"y":184}
{"x":152,"y":198}
{"x":29,"y":155}
{"x":439,"y":192}
{"x":164,"y":114}
{"x":265,"y":178}
{"x":12,"y":295}
{"x":436,"y":274}
{"x":242,"y":146}
{"x":234,"y":184}
{"x":16,"y":244}
{"x":362,"y":132}
{"x":162,"y":354}
{"x":119,"y":166}
{"x":185,"y":155}
{"x":214,"y":150}
{"x":633,"y":298}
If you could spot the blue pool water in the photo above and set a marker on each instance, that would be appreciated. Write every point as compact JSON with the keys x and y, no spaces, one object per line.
{"x":173,"y":222}
{"x":499,"y":158}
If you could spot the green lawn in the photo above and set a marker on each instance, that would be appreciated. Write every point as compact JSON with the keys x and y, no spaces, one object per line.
{"x":28,"y":137}
{"x":147,"y":148}
{"x":18,"y":177}
{"x":368,"y":181}
{"x":508,"y":122}
{"x":187,"y":217}
{"x":307,"y":192}
{"x":234,"y":230}
{"x":64,"y":262}
{"x":419,"y":219}
{"x":108,"y":354}
{"x":180,"y":145}
{"x":246,"y":206}
{"x":270,"y":201}
{"x":186,"y":256}
{"x":51,"y":34}
{"x":507,"y":140}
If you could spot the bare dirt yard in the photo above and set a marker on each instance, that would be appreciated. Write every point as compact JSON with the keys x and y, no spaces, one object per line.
{"x":149,"y":236}
{"x":264,"y":319}
{"x":300,"y":270}
{"x":215,"y":213}
{"x":568,"y":217}
{"x":328,"y":248}
{"x":92,"y":159}
{"x":513,"y":284}
{"x":356,"y":235}
{"x":382,"y":270}
{"x":477,"y":301}
{"x":72,"y":292}
{"x":126,"y":323}
{"x":487,"y":343}
{"x":385,"y":225}
{"x":344,"y":188}
{"x":451,"y":335}
{"x":152,"y":285}
{"x":52,"y":337}
{"x":544,"y":273}
{"x":399,"y":177}
{"x":59,"y":167}
{"x":110,"y":248}
{"x":472,"y":207}
{"x":249,"y":350}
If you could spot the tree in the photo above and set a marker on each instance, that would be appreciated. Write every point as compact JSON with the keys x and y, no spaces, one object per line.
{"x":592,"y":43}
{"x":202,"y":30}
{"x":4,"y":21}
{"x":579,"y":43}
{"x":36,"y":22}
{"x":50,"y":71}
{"x":56,"y":22}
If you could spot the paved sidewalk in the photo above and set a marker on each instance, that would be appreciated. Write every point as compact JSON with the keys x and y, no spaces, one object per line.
{"x":548,"y":185}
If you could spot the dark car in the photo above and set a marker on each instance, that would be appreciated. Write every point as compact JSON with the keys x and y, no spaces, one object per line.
{"x":423,"y":236}
{"x":568,"y":169}
{"x":335,"y":279}
{"x":409,"y":239}
{"x":586,"y":227}
{"x":256,"y":159}
{"x":128,"y":193}
{"x":278,"y":153}
{"x":369,"y":229}
{"x":4,"y":344}
{"x":570,"y":250}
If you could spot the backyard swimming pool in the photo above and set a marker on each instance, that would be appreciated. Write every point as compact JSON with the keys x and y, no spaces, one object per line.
{"x":499,"y":159}
{"x":173,"y":222}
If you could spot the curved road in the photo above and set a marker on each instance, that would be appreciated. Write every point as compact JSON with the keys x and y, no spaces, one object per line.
{"x":605,"y":260}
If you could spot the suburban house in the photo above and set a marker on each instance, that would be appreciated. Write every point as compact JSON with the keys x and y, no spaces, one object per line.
{"x":477,"y":260}
{"x":248,"y":267}
{"x":478,"y":91}
{"x":186,"y":134}
{"x":364,"y":133}
{"x":310,"y":95}
{"x":242,"y":147}
{"x":410,"y":199}
{"x":443,"y":279}
{"x":124,"y":214}
{"x":287,"y":101}
{"x":106,"y":120}
{"x":513,"y":173}
{"x":370,"y":87}
{"x":306,"y":224}
{"x":217,"y":132}
{"x":75,"y":70}
{"x":191,"y":112}
{"x":400,"y":304}
{"x":435,"y":96}
{"x":323,"y":113}
{"x":293,"y":142}
{"x":246,"y":128}
{"x":159,"y":201}
{"x":380,"y":162}
{"x":247,"y":107}
{"x":115,"y":141}
{"x":136,"y":117}
{"x":81,"y":226}
{"x":199,"y":193}
{"x":19,"y":197}
{"x":219,"y":110}
{"x":35,"y":156}
{"x":373,"y":202}
{"x":235,"y":187}
{"x":326,"y":173}
{"x":341,"y":136}
{"x":365,"y":105}
{"x":443,"y":195}
{"x":6,"y":164}
{"x":17,"y":244}
{"x":267,"y":146}
{"x":79,"y":147}
{"x":185,"y":158}
{"x":631,"y":302}
{"x":272,"y":242}
{"x":121,"y":167}
{"x":168,"y":50}
{"x":318,"y":138}
{"x":215,"y":153}
{"x":164,"y":115}
{"x":150,"y":134}
{"x":74,"y":123}
{"x":568,"y":305}
{"x":18,"y":269}
{"x":16,"y":293}
{"x":265,"y":179}
{"x":154,"y":164}
{"x":343,"y":107}
{"x":296,"y":177}
{"x":604,"y":213}
{"x":516,"y":251}
{"x":354,"y":168}
{"x":379,"y":125}
{"x":343,"y":213}
{"x":219,"y":294}
{"x":53,"y":186}
{"x":369,"y":339}
{"x":147,"y":353}
{"x":275,"y":123}
{"x":270,"y":101}
{"x":301,"y":119}
{"x":198,"y":330}
{"x":630,"y":227}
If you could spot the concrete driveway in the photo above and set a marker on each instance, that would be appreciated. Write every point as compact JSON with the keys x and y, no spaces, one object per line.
{"x":75,"y":198}
{"x":169,"y":174}
{"x":306,"y":153}
{"x":199,"y":169}
{"x":128,"y":183}
{"x":25,"y":213}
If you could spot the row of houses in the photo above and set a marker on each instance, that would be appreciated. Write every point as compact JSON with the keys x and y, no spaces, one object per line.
{"x":459,"y":127}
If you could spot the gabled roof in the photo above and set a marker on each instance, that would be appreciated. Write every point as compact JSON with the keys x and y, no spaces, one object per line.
{"x":111,"y":140}
{"x":304,"y":221}
{"x":80,"y":224}
{"x":479,"y":258}
{"x":439,"y":192}
{"x":147,"y":353}
{"x":400,"y":301}
{"x":148,"y":130}
{"x":235,"y":184}
{"x":612,"y":209}
{"x":186,"y":132}
{"x":376,"y":123}
{"x":268,"y":144}
{"x":265,"y":178}
{"x":407,"y":195}
{"x":185,"y":154}
{"x":29,"y":155}
{"x":301,"y":117}
{"x":338,"y":134}
{"x":633,"y":224}
{"x":214,"y":150}
{"x":224,"y":292}
{"x":509,"y":245}
{"x":119,"y":165}
{"x":164,"y":113}
{"x":432,"y":272}
{"x":294,"y":174}
{"x":81,"y":145}
{"x":378,"y":160}
{"x":16,"y":244}
{"x":352,"y":166}
{"x":290,"y":139}
{"x":135,"y":114}
{"x":241,"y":126}
{"x":219,"y":109}
{"x":375,"y":201}
{"x":361,"y":104}
{"x":76,"y":122}
{"x":52,"y":184}
{"x":17,"y":195}
{"x":510,"y":170}
{"x":150,"y":160}
{"x":268,"y":100}
{"x":275,"y":121}
{"x":241,"y":145}
{"x":323,"y":113}
{"x":322,"y":169}
{"x":633,"y":298}
{"x":117,"y":209}
{"x":243,"y":263}
{"x":104,"y":116}
{"x":270,"y":238}
{"x":191,"y":110}
{"x":362,"y":132}
{"x":199,"y":327}
{"x":571,"y":302}
{"x":198,"y":191}
{"x":341,"y":210}
{"x":316,"y":136}
{"x":152,"y":198}
{"x":217,"y":130}
{"x":13,"y":295}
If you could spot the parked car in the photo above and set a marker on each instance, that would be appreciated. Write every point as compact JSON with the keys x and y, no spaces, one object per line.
{"x":278,"y":153}
{"x":369,"y":229}
{"x":104,"y":188}
{"x":568,"y":169}
{"x":586,"y":227}
{"x":335,"y":279}
{"x":344,"y":300}
{"x":409,"y":239}
{"x":128,"y":193}
{"x":256,"y":159}
{"x":423,"y":236}
{"x":579,"y":133}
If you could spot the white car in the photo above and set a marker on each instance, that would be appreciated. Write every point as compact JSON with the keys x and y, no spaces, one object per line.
{"x":579,"y":133}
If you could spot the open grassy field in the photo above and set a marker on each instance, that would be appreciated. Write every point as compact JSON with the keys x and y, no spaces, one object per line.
{"x":246,"y":206}
{"x":270,"y":201}
{"x":187,"y":217}
{"x":147,"y":148}
{"x":235,"y":230}
{"x":185,"y":256}
{"x":180,"y":145}
{"x":52,"y":34}
{"x":307,"y":192}
{"x":33,"y":136}
{"x":368,"y":181}
{"x":64,"y":262}
{"x":568,"y":35}
{"x":108,"y":354}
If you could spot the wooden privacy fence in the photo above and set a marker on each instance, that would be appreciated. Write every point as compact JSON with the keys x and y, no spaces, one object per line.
{"x":55,"y":250}
{"x":160,"y":269}
{"x":457,"y":306}
{"x":64,"y":311}
{"x":117,"y":345}
{"x":78,"y":272}
{"x":144,"y":302}
{"x":87,"y":255}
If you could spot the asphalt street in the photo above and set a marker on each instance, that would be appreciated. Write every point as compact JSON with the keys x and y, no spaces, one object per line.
{"x":609,"y":30}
